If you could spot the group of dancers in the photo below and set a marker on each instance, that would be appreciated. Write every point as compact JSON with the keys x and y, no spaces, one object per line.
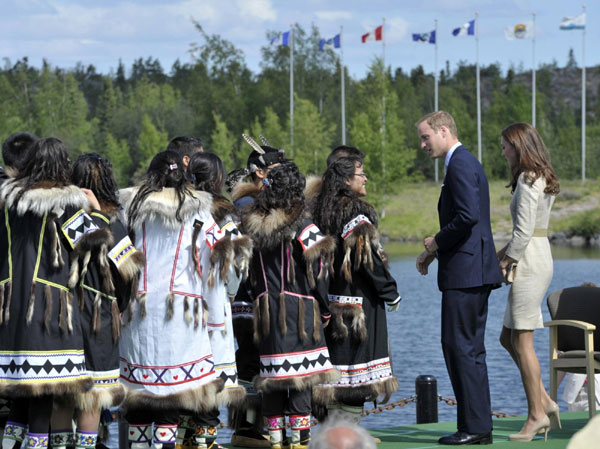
{"x":134,"y":297}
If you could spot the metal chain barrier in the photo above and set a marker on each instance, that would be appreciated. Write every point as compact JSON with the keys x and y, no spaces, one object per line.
{"x":399,"y":403}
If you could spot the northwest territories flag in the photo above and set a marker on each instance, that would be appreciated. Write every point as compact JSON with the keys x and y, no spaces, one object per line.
{"x":465,"y":29}
{"x":424,"y":37}
{"x":573,"y":23}
{"x":281,"y":39}
{"x":334,"y":42}
{"x":519,"y":31}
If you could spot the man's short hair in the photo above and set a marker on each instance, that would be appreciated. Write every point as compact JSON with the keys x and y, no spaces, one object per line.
{"x":438,"y":119}
{"x":185,"y":145}
{"x":344,"y":151}
{"x":15,"y":148}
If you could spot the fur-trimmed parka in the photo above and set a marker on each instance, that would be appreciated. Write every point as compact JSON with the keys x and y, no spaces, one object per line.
{"x":46,"y":237}
{"x":360,"y":288}
{"x":290,"y":271}
{"x":107,"y":284}
{"x":219,"y":294}
{"x":166,"y":358}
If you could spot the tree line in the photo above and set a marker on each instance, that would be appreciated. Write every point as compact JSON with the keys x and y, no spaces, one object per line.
{"x":130,"y":115}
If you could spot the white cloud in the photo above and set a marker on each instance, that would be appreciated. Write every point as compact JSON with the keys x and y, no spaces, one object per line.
{"x":257,"y":9}
{"x":333,"y":15}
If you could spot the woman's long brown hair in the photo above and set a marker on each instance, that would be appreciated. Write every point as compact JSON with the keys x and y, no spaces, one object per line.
{"x":532,"y":155}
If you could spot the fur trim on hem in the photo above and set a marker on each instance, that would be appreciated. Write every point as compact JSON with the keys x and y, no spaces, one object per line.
{"x":100,"y":398}
{"x":244,"y":189}
{"x":18,"y":390}
{"x":200,"y":399}
{"x":339,"y":330}
{"x":234,"y":397}
{"x":269,"y":384}
{"x":326,"y":394}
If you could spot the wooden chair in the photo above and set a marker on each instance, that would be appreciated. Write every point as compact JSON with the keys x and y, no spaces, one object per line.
{"x":575,"y":314}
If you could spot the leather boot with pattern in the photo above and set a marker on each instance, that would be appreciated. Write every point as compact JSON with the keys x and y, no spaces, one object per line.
{"x":14,"y":433}
{"x":140,"y":437}
{"x":276,"y":426}
{"x":300,"y":425}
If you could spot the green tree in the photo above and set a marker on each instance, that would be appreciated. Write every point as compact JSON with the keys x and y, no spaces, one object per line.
{"x":117,"y":151}
{"x":312,"y":137}
{"x":150,"y":142}
{"x":223,"y":142}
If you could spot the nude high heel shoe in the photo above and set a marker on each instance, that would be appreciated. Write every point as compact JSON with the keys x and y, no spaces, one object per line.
{"x":543,"y":426}
{"x":552,"y":411}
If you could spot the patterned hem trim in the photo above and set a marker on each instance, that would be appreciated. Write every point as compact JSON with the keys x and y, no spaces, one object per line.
{"x":38,"y":367}
{"x":364,"y":373}
{"x":167,"y":375}
{"x":296,"y":364}
{"x":346,"y":300}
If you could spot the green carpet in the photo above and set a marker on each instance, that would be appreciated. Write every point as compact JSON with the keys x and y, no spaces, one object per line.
{"x":426,"y":435}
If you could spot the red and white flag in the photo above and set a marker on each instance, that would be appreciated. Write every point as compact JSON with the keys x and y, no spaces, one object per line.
{"x":376,"y":35}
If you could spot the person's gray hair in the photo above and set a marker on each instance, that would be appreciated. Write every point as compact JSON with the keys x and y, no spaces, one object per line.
{"x":340,"y":419}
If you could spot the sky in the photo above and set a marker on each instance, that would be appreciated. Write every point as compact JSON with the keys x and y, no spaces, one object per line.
{"x":65,"y":32}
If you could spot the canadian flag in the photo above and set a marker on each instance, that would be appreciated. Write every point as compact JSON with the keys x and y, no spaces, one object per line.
{"x":376,"y":35}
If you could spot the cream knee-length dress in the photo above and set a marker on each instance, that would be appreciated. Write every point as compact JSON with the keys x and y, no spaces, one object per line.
{"x":529,"y":246}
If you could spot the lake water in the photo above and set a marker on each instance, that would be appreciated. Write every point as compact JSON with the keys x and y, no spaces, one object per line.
{"x":414,"y":335}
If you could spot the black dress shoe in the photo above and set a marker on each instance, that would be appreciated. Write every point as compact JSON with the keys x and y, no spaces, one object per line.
{"x":460,"y":438}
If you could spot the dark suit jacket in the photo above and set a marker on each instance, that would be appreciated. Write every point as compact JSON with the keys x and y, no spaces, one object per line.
{"x":466,"y":254}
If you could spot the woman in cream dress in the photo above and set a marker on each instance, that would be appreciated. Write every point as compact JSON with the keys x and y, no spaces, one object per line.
{"x":526,"y":261}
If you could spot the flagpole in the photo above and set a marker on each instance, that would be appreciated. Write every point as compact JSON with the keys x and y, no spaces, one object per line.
{"x":343,"y":90}
{"x":583,"y":101}
{"x":478,"y":89}
{"x":533,"y":88}
{"x":435,"y":93}
{"x":292,"y":88}
{"x":383,"y":120}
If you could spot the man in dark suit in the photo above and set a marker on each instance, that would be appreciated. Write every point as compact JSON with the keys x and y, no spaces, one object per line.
{"x":467,"y":270}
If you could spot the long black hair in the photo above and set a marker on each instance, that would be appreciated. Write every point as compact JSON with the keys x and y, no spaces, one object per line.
{"x":165,"y":170}
{"x":284,"y":188}
{"x":95,"y":172}
{"x":327,"y":214}
{"x":207,"y":172}
{"x":47,"y":163}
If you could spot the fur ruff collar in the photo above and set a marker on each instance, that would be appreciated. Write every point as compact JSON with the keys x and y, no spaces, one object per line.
{"x":269,"y":228}
{"x":244,"y":189}
{"x":221,"y":208}
{"x":43,"y":200}
{"x":314,"y":184}
{"x":346,"y":208}
{"x":163,"y":206}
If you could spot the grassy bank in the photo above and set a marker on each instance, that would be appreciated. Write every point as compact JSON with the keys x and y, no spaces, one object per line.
{"x":412,"y":212}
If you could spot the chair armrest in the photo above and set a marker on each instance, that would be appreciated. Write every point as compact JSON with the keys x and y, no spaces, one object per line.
{"x":574,"y":323}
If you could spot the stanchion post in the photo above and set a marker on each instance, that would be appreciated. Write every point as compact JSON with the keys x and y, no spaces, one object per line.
{"x":427,"y":399}
{"x":123,"y":431}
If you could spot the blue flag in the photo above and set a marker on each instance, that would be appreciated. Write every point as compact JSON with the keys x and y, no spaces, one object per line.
{"x":281,"y":39}
{"x":334,"y":42}
{"x":424,"y":37}
{"x":466,"y":29}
